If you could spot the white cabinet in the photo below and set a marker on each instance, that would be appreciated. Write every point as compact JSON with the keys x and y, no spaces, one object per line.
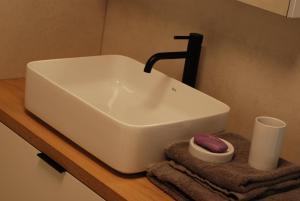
{"x":25,"y":177}
{"x":288,"y":8}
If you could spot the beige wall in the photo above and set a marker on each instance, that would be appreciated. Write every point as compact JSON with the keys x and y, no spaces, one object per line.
{"x":42,"y":29}
{"x":250,"y":60}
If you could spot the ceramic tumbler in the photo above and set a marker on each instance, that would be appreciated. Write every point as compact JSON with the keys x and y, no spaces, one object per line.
{"x":266,"y":143}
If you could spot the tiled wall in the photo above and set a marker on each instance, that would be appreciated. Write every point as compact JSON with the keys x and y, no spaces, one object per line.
{"x":250,"y":60}
{"x":42,"y":29}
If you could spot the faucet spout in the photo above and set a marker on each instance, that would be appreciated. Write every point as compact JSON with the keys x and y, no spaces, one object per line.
{"x":191,"y":56}
{"x":162,"y":55}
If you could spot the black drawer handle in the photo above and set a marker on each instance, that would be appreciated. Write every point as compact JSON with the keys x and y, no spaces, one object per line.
{"x":51,"y":162}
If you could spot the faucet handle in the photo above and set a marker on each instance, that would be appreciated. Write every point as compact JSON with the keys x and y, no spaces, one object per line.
{"x":182,"y":37}
{"x":192,"y":36}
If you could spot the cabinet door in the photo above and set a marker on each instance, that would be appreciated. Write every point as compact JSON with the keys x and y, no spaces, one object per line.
{"x":277,"y":6}
{"x":25,"y":177}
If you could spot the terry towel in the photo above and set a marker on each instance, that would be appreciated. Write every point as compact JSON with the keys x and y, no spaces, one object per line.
{"x":183,"y":185}
{"x":193,"y":179}
{"x":236,"y":175}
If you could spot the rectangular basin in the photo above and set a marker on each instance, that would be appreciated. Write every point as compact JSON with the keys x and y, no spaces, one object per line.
{"x":112,"y":109}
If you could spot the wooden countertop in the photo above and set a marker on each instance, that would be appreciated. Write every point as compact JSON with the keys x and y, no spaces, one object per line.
{"x":109,"y":184}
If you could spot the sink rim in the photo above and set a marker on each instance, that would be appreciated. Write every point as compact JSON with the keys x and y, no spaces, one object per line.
{"x":32,"y":65}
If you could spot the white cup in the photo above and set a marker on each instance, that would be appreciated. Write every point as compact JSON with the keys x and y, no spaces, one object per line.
{"x":266,"y":143}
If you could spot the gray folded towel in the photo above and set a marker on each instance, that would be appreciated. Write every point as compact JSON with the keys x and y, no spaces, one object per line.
{"x":179,"y":185}
{"x":183,"y":185}
{"x":236,"y":175}
{"x":177,"y":182}
{"x":189,"y":178}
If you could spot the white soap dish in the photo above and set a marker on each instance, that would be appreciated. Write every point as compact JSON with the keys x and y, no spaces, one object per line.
{"x":208,"y":156}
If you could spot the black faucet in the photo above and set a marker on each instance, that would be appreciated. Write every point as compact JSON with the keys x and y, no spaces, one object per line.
{"x":192,"y":56}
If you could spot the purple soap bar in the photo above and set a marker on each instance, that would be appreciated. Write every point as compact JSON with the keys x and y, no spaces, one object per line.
{"x":210,"y":143}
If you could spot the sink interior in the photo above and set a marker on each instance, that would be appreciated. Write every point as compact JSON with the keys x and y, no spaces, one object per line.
{"x":128,"y":94}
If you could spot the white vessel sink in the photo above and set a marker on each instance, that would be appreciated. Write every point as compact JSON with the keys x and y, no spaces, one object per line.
{"x":111,"y":108}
